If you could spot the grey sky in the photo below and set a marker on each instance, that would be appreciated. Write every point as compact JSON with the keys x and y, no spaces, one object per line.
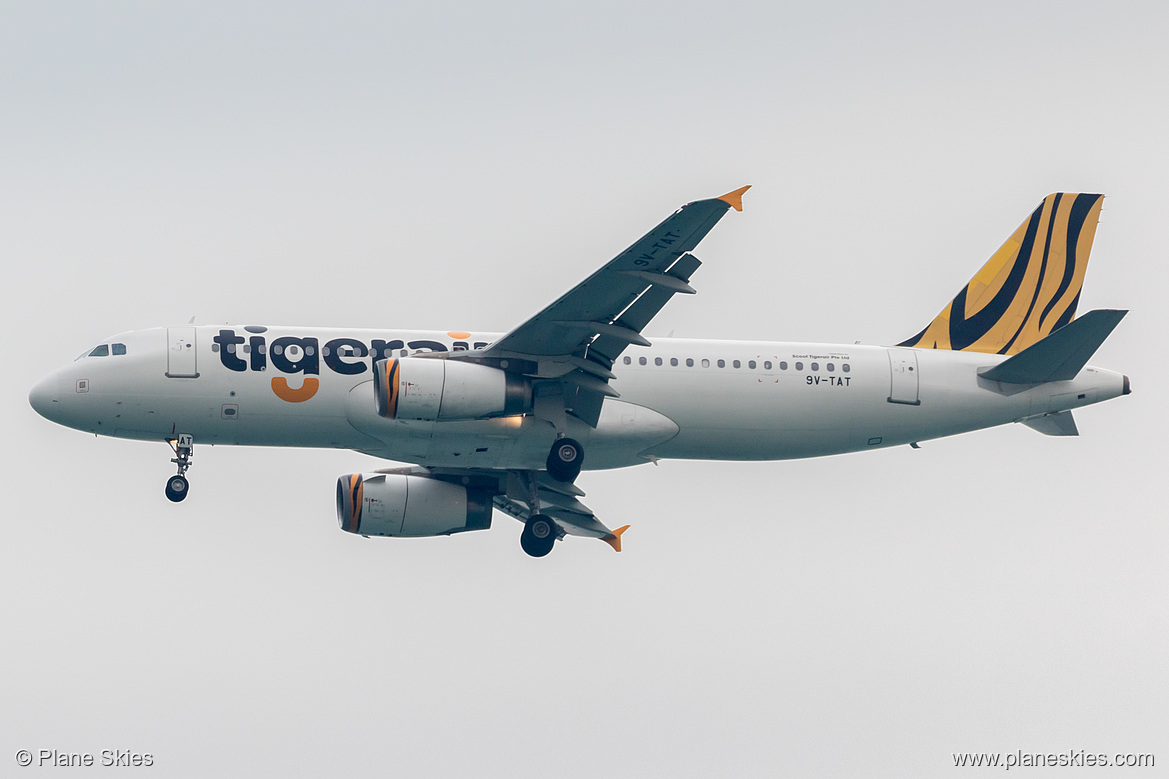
{"x":461,"y":165}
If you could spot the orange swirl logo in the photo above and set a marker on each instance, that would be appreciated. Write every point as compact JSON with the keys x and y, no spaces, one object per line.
{"x":300,"y":395}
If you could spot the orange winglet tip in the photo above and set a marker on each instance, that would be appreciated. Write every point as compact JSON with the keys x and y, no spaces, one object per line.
{"x":614,"y":538}
{"x":735,"y":199}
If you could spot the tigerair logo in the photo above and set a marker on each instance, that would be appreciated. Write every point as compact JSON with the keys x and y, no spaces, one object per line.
{"x":292,"y":355}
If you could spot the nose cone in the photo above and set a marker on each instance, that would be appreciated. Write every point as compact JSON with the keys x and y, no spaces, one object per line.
{"x":43,"y":398}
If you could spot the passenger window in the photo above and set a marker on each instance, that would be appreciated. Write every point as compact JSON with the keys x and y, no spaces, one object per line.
{"x":751,"y":364}
{"x":119,"y":348}
{"x":627,"y":361}
{"x":657,"y":361}
{"x":830,"y":367}
{"x":815,"y":366}
{"x":783,"y":365}
{"x":767,"y":365}
{"x":799,"y":366}
{"x":100,"y":351}
{"x":641,"y":361}
{"x":737,"y":364}
{"x":674,"y":361}
{"x":844,"y":368}
{"x":689,"y":362}
{"x":722,"y":363}
{"x":705,"y":363}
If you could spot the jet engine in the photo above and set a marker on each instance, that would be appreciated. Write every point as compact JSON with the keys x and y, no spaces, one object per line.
{"x":395,"y":504}
{"x":444,"y":390}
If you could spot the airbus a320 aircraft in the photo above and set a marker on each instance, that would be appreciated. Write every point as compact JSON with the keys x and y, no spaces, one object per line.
{"x":507,"y":421}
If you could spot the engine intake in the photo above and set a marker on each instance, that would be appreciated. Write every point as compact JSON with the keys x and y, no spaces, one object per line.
{"x":407,"y":506}
{"x":442,"y":390}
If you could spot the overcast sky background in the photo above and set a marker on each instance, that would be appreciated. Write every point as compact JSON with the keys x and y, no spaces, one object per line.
{"x":460,"y":165}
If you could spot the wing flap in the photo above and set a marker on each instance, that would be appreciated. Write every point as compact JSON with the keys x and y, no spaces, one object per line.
{"x":572,"y":516}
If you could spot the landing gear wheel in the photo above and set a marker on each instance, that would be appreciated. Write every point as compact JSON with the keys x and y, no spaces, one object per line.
{"x":176,"y":488}
{"x":539,"y":535}
{"x":565,"y":460}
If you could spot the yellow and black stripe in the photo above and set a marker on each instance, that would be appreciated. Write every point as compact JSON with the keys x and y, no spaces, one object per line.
{"x":1029,"y":288}
{"x":350,"y":491}
{"x":385,"y":387}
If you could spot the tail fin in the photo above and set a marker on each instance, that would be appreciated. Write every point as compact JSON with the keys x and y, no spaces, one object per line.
{"x":1028,"y":288}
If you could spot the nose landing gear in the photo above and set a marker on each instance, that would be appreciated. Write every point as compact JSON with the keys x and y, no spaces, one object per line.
{"x":177,"y":485}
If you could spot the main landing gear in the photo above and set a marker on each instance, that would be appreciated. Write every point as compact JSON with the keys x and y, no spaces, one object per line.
{"x":540,"y":531}
{"x":565,"y":460}
{"x":539,"y":535}
{"x":177,"y":486}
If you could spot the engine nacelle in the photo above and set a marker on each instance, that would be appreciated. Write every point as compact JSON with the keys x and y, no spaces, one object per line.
{"x":394,"y":504}
{"x":446,"y":390}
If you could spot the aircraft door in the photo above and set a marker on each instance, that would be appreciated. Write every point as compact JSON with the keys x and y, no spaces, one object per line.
{"x":180,"y":353}
{"x":903,"y":382}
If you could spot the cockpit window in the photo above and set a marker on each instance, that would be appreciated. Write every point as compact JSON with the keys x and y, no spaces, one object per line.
{"x":119,"y":348}
{"x":100,"y":351}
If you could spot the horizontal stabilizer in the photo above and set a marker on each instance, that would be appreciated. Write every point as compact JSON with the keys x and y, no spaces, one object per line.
{"x":1061,"y":355}
{"x":1060,"y":423}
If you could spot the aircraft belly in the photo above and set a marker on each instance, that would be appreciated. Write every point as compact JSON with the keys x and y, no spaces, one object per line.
{"x":623,"y":433}
{"x":736,"y":415}
{"x":486,"y":443}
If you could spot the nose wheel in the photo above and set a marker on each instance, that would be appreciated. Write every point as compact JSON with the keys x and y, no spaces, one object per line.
{"x":177,"y":485}
{"x":176,"y":488}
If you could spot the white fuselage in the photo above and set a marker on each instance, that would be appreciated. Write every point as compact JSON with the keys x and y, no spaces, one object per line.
{"x":680,"y":398}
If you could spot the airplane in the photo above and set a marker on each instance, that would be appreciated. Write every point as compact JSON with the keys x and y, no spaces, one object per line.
{"x":507,"y":421}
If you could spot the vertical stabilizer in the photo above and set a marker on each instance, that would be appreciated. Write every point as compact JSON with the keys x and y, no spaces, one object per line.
{"x":1028,"y":288}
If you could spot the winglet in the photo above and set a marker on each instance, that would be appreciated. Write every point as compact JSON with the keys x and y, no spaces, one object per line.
{"x":735,"y":199}
{"x":614,"y":538}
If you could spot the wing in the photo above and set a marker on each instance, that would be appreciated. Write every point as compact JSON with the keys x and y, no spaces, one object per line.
{"x":559,"y":501}
{"x":576,"y":339}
